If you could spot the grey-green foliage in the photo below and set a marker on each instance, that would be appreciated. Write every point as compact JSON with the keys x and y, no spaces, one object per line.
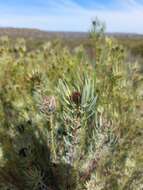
{"x":78,"y":106}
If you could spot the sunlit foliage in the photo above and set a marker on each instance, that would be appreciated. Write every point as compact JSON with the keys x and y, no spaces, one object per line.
{"x":69,"y":121}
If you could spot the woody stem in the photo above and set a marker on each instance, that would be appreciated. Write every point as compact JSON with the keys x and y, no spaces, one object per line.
{"x":53,"y":147}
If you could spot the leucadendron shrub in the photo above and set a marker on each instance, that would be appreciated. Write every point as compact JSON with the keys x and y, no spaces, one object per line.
{"x":69,"y":121}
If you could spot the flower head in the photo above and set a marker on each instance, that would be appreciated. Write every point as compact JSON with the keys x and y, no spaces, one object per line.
{"x":48,"y":105}
{"x":76,"y":98}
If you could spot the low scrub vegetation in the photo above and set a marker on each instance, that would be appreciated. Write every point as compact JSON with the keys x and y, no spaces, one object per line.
{"x":69,"y":121}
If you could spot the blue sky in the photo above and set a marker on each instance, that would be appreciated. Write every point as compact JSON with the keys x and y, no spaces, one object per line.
{"x":72,"y":15}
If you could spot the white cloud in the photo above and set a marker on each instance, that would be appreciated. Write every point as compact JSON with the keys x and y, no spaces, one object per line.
{"x":70,"y":16}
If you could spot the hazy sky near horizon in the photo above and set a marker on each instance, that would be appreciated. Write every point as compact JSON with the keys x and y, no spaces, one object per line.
{"x":72,"y":15}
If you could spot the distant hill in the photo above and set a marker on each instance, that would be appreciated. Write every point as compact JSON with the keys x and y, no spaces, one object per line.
{"x":36,"y":33}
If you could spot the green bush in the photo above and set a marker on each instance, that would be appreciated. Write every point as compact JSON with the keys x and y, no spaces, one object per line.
{"x":69,"y":122}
